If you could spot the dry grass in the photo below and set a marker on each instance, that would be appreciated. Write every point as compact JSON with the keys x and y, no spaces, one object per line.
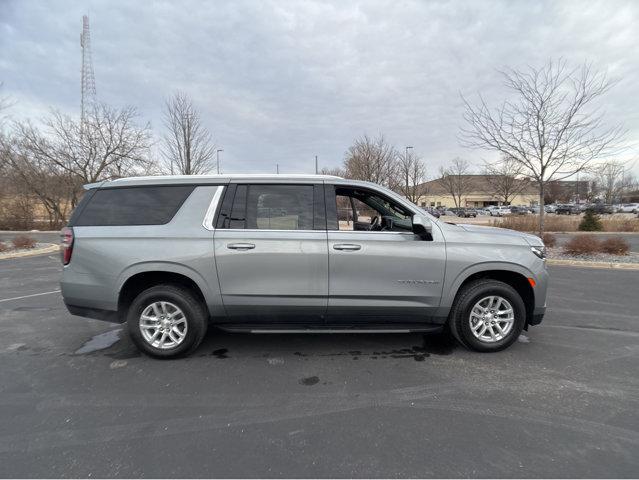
{"x":22,"y":241}
{"x":565,"y":223}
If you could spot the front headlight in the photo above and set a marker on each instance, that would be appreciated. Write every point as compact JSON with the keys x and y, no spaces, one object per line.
{"x":540,"y":251}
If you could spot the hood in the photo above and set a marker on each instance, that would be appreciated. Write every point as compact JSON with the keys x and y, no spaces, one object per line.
{"x":532,"y":240}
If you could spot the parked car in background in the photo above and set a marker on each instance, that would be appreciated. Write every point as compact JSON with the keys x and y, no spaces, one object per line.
{"x":464,"y":212}
{"x":552,"y":208}
{"x":568,"y":209}
{"x":499,"y":211}
{"x":535,"y":209}
{"x":482,"y":212}
{"x":433,"y":211}
{"x":172,"y":256}
{"x":629,"y":208}
{"x":601,"y":208}
{"x":516,"y":210}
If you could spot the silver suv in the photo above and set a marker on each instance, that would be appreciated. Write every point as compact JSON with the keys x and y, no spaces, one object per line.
{"x":170,"y":256}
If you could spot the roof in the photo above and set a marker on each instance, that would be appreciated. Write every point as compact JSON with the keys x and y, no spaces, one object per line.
{"x":207,"y":179}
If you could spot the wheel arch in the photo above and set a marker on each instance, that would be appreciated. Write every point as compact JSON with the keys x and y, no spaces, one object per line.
{"x":145,"y":275}
{"x":511,"y":274}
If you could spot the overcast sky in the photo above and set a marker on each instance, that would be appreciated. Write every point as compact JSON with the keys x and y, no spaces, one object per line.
{"x":281,"y":82}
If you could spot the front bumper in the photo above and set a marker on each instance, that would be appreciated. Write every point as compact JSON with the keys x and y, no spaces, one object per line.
{"x":537,"y":316}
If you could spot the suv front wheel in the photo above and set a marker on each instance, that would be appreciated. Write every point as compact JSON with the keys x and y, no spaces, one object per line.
{"x":167,"y":321}
{"x":488,"y":315}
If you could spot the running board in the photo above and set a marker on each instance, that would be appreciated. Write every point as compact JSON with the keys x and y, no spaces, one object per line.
{"x":332,"y":330}
{"x":300,"y":328}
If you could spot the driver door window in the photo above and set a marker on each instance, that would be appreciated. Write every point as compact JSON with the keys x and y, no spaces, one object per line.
{"x":353,"y":214}
{"x":361,"y":210}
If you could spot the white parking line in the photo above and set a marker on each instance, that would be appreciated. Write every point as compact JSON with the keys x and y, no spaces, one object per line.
{"x":28,"y":296}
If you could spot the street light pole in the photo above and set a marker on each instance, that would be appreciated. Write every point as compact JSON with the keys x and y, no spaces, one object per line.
{"x":217,"y":154}
{"x":316,"y":165}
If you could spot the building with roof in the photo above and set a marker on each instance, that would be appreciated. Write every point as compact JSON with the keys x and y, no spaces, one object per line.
{"x":477,"y":191}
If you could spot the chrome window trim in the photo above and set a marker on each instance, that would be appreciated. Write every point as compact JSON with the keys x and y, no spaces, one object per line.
{"x":267,"y":230}
{"x":374,"y":232}
{"x":311,"y":231}
{"x":210,"y":212}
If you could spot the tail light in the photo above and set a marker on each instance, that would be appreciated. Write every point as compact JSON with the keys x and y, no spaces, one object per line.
{"x":66,"y":245}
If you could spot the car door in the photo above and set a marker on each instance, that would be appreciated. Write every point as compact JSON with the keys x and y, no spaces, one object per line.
{"x":271,"y":252}
{"x":381,"y":276}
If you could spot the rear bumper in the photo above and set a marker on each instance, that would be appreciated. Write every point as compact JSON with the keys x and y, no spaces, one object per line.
{"x":95,"y":313}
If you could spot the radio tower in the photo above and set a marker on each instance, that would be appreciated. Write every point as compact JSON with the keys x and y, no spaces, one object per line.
{"x":88,"y":80}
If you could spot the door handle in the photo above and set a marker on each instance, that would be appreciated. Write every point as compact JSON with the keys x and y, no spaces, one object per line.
{"x":241,"y":246}
{"x":349,"y":247}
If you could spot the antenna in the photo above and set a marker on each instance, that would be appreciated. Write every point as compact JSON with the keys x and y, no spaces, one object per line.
{"x":87,"y":79}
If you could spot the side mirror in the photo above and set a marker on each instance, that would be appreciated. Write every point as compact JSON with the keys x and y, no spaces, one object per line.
{"x":422,"y":225}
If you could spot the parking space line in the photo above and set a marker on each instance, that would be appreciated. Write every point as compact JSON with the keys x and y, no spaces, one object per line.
{"x":28,"y":296}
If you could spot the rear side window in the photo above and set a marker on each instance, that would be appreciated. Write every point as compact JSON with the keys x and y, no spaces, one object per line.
{"x":274,"y":207}
{"x":154,"y":205}
{"x":280,"y":207}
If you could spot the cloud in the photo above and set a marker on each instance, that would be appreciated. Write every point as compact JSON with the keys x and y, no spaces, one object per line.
{"x":281,"y":82}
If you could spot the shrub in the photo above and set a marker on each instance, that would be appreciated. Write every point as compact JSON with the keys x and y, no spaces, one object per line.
{"x":549,"y":240}
{"x":591,"y":222}
{"x":22,"y":241}
{"x":615,"y":246}
{"x":582,"y":245}
{"x":3,"y":247}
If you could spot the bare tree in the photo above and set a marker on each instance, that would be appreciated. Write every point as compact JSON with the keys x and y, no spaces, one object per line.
{"x":504,"y":179}
{"x":614,"y":180}
{"x":188,"y":147}
{"x":35,"y":177}
{"x":108,"y":144}
{"x":371,"y":160}
{"x":411,"y":173}
{"x":552,"y":127}
{"x":455,"y":180}
{"x":4,"y":105}
{"x":336,"y":171}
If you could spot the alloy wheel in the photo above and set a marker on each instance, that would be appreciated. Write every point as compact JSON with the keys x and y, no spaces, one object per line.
{"x":491,"y":319}
{"x":163,"y":325}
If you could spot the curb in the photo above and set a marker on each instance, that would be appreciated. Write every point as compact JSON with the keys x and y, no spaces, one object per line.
{"x":30,"y":253}
{"x":583,"y":263}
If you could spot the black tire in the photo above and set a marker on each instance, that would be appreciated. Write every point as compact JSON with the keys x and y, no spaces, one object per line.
{"x":194,"y":311}
{"x":467,"y":297}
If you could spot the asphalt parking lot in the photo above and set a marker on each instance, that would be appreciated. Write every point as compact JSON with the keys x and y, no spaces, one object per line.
{"x":78,"y":399}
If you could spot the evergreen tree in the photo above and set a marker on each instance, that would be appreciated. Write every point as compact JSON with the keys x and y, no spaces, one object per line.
{"x":591,"y":222}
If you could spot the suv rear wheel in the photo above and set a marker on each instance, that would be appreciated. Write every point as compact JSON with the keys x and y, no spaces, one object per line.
{"x":487,"y":316}
{"x":167,"y":321}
